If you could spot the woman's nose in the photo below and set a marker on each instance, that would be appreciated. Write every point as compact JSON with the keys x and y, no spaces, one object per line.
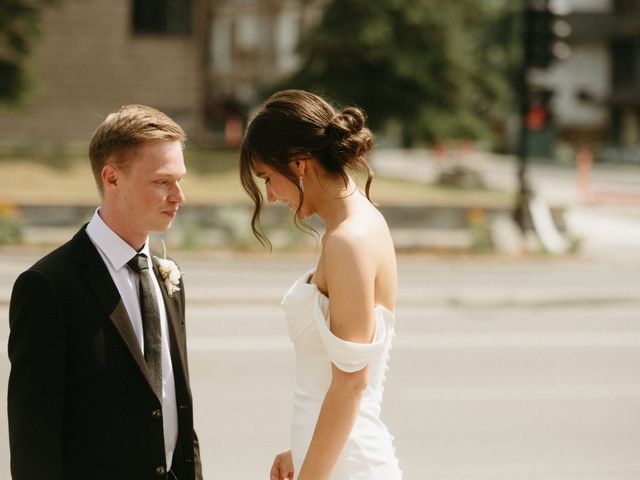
{"x":270,"y":196}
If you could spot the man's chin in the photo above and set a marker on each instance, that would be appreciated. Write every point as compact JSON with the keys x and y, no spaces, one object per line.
{"x":162,"y":226}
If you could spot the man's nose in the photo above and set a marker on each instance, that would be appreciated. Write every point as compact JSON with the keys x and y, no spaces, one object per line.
{"x":177,"y":195}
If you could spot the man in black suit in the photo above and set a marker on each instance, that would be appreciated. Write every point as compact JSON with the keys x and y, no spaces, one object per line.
{"x":99,"y":383}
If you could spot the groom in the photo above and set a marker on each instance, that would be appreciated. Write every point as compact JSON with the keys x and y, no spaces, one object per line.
{"x":99,"y":384}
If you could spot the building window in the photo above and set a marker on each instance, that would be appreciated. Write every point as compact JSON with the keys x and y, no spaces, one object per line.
{"x":287,"y":35}
{"x":626,"y":6}
{"x":249,"y":39}
{"x":169,"y":17}
{"x":248,"y":31}
{"x":624,"y":64}
{"x":221,"y":45}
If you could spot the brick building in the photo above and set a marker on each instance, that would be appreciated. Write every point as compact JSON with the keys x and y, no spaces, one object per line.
{"x":94,"y":56}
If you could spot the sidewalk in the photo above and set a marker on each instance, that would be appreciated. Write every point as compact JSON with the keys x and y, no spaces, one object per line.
{"x":606,"y":223}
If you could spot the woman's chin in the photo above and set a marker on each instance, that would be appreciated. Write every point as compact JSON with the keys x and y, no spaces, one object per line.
{"x":302,"y":215}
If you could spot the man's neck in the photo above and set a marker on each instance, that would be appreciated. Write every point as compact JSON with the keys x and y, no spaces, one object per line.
{"x":135,"y":239}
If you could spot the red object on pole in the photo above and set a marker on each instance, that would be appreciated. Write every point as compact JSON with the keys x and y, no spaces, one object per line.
{"x":536,"y":118}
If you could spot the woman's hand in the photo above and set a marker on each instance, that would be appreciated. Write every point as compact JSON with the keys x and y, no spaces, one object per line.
{"x":282,"y":468}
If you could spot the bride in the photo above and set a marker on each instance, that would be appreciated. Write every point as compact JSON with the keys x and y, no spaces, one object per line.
{"x":339,"y":314}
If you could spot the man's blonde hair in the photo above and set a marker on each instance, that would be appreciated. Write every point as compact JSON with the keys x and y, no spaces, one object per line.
{"x":119,"y":137}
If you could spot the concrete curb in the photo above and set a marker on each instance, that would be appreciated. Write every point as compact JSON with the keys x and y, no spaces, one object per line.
{"x":414,"y":227}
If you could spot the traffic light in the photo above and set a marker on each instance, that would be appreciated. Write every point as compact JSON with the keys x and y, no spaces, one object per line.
{"x":546,"y":32}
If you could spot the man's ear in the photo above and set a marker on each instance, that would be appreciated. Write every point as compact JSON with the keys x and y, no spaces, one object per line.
{"x":110,"y":176}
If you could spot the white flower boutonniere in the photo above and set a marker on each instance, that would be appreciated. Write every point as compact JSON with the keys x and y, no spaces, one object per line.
{"x":170,"y":272}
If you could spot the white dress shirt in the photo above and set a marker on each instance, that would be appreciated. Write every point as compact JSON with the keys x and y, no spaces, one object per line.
{"x":115,"y":253}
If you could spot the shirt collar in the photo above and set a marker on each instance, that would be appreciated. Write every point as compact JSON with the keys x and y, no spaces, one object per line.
{"x":117,"y":251}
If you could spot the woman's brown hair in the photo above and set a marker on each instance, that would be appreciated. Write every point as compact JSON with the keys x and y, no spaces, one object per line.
{"x":294,"y":123}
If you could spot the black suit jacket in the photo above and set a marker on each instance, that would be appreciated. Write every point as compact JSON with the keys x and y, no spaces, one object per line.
{"x":80,"y":402}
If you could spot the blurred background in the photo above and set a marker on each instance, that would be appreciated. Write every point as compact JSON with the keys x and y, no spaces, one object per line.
{"x":501,"y":125}
{"x":507,"y":165}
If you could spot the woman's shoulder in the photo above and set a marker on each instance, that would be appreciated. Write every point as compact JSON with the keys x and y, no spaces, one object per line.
{"x":359,"y":231}
{"x":352,"y":248}
{"x":351,"y":239}
{"x":347,"y":234}
{"x":341,"y":249}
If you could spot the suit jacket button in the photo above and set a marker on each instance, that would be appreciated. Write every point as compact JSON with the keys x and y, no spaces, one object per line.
{"x":156,"y":413}
{"x":159,"y":471}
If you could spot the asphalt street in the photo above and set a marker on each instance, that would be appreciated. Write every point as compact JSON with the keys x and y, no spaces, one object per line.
{"x":502,"y":368}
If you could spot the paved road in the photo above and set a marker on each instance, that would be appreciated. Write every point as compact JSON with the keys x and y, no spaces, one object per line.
{"x":501,"y":369}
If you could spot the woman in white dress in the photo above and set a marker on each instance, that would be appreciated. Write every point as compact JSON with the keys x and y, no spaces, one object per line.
{"x":339,"y":314}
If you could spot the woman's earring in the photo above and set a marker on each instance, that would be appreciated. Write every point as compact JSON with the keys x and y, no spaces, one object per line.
{"x":301,"y":184}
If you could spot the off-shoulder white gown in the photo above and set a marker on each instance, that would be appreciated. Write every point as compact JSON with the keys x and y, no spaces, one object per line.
{"x":368,"y":453}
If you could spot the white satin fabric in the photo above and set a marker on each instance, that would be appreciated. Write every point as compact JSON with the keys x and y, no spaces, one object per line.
{"x":368,"y":453}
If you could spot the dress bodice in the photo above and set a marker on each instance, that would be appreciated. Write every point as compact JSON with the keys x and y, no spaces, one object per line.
{"x":316,"y":347}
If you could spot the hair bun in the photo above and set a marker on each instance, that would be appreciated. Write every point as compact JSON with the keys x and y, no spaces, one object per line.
{"x":348,"y":137}
{"x":348,"y":122}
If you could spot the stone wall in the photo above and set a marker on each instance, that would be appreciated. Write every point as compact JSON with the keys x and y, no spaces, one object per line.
{"x":88,"y":62}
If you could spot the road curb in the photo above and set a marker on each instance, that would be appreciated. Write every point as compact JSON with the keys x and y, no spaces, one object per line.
{"x":414,"y":227}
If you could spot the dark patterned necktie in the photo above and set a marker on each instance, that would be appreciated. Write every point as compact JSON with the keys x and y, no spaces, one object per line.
{"x":150,"y":320}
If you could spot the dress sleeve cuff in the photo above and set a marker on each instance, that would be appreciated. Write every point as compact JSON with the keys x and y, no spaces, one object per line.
{"x":345,"y":355}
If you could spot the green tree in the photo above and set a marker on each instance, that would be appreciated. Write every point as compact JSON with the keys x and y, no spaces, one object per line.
{"x":438,"y":69}
{"x":19,"y":22}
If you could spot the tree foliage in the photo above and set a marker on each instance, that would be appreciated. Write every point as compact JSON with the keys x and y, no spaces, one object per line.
{"x":438,"y":69}
{"x":19,"y":22}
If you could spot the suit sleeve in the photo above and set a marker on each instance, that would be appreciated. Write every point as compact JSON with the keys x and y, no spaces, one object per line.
{"x":197,"y":463}
{"x":36,"y":382}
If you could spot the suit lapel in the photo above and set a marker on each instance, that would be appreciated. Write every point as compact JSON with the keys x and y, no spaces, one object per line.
{"x":174,"y":319}
{"x":99,"y":280}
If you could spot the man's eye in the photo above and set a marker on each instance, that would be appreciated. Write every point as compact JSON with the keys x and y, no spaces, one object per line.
{"x":267,"y":180}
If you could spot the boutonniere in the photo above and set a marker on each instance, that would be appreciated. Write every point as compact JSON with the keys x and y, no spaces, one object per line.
{"x":169,"y":271}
